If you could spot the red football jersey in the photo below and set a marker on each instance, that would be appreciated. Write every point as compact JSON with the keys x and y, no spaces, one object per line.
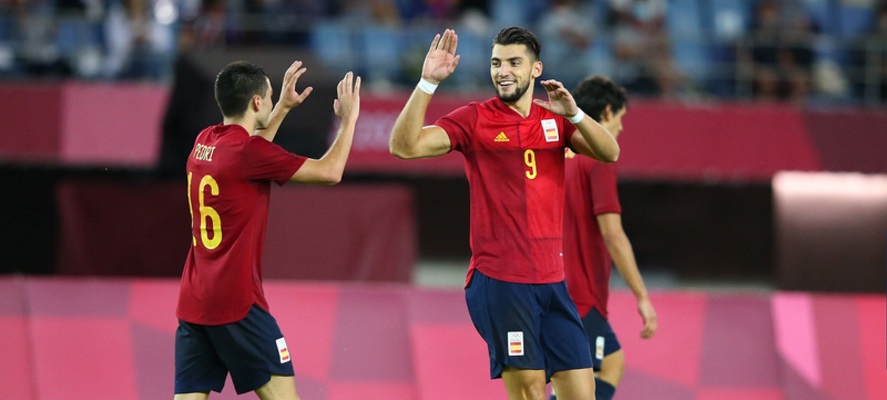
{"x":515,"y":170}
{"x":229,"y":182}
{"x":590,"y":190}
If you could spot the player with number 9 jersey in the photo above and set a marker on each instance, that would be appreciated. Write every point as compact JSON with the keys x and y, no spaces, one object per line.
{"x":513,"y":146}
{"x":515,"y":171}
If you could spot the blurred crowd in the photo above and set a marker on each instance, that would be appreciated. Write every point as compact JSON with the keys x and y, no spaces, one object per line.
{"x":799,"y":51}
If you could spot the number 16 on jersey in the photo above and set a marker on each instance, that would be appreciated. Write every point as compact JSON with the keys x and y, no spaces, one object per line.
{"x":206,"y":213}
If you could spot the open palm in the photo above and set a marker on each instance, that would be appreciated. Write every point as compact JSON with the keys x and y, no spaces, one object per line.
{"x":441,"y":60}
{"x":560,"y":101}
{"x":289,"y":97}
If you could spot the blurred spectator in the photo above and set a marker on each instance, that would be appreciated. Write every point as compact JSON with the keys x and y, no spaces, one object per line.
{"x":372,"y":29}
{"x":568,"y":34}
{"x":642,"y":48}
{"x":11,"y":13}
{"x":284,"y":22}
{"x":207,"y":29}
{"x":36,"y":28}
{"x":871,"y":56}
{"x":776,"y":57}
{"x":141,"y":39}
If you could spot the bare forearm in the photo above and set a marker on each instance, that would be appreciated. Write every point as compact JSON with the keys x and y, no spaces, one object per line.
{"x":328,"y":170}
{"x":336,"y":157}
{"x":623,"y":257}
{"x":601,"y":143}
{"x":408,"y":126}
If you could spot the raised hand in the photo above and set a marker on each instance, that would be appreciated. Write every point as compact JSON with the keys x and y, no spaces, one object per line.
{"x":347,"y":105}
{"x":289,"y":97}
{"x":441,"y":60}
{"x":560,"y":101}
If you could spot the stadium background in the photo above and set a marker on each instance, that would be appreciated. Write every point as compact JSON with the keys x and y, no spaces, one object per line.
{"x":759,"y":224}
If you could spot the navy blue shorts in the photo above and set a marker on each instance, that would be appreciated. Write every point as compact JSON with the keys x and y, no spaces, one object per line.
{"x":251,"y":349}
{"x":600,"y":334}
{"x":527,"y":326}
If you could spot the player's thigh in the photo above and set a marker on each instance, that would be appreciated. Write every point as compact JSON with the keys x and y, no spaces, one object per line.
{"x":253,"y":349}
{"x":198,"y":368}
{"x":508,"y":317}
{"x":564,"y":338}
{"x":279,"y":387}
{"x":574,"y":384}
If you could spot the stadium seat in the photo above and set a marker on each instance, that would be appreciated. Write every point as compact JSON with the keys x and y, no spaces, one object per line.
{"x":684,"y":26}
{"x":331,"y":42}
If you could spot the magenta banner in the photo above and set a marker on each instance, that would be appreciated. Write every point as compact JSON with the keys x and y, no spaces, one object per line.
{"x":117,"y":124}
{"x":60,"y":338}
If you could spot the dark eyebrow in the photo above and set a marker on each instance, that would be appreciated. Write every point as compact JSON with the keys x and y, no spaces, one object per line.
{"x":512,"y":59}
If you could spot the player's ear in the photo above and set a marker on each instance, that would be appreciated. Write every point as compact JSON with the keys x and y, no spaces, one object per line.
{"x":256,"y":103}
{"x":537,"y":69}
{"x":607,"y":114}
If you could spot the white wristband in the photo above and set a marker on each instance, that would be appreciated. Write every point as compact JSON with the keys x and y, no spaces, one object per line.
{"x":577,"y":118}
{"x":426,"y":86}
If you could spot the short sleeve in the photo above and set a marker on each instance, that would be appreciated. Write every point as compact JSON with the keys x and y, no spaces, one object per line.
{"x":266,"y":161}
{"x":603,"y":188}
{"x":458,"y":124}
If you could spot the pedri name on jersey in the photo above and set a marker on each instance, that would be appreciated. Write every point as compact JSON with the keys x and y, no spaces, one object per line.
{"x":204,"y":153}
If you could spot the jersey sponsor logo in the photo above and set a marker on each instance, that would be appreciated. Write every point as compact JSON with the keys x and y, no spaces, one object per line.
{"x":515,"y":343}
{"x":283,"y":351}
{"x":549,"y":126}
{"x":501,"y":138}
{"x":599,"y":348}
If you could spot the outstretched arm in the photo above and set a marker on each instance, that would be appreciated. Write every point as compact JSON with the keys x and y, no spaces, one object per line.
{"x":409,"y":139}
{"x":289,"y":99}
{"x":328,"y":169}
{"x":594,"y":140}
{"x":623,"y":256}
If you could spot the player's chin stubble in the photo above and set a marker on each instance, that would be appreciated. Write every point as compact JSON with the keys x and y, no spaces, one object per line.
{"x":511,"y":98}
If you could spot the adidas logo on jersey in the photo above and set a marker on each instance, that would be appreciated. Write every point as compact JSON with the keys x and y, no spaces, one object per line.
{"x":501,"y":138}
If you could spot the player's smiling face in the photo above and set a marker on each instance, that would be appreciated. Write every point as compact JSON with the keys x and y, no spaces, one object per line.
{"x":513,"y":68}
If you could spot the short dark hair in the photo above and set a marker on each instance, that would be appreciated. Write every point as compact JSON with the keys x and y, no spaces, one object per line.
{"x":517,"y":35}
{"x":595,"y":93}
{"x":236,"y":85}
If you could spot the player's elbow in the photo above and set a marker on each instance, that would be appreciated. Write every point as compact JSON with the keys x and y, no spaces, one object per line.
{"x":333,"y":177}
{"x":318,"y":172}
{"x":396,"y":151}
{"x":402,"y":152}
{"x":611,"y":156}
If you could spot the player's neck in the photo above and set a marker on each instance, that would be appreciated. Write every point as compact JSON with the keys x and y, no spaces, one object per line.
{"x":524,"y":104}
{"x":248,"y":124}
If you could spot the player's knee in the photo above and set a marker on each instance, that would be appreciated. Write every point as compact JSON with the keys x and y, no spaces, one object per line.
{"x":534,"y":392}
{"x":612,"y":368}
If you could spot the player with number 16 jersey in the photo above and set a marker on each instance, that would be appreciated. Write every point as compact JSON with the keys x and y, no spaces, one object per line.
{"x":225,"y":325}
{"x":230,"y":174}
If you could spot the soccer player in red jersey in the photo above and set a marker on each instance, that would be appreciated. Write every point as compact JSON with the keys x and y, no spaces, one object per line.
{"x":594,"y":239}
{"x":514,"y":160}
{"x":224,"y":321}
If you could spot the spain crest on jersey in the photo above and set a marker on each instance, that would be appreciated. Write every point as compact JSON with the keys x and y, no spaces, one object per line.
{"x":549,"y":126}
